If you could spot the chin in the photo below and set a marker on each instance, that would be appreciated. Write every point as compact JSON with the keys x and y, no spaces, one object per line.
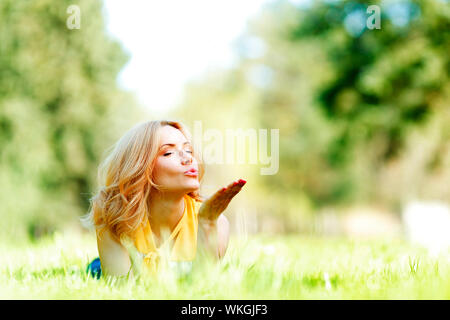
{"x":195,"y":187}
{"x":192,"y":187}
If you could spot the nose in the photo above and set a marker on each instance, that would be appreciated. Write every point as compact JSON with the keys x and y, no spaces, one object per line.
{"x":186,"y":158}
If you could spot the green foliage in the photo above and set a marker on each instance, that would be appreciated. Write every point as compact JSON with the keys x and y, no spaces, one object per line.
{"x":361,"y":111}
{"x":382,"y":84}
{"x":58,"y":107}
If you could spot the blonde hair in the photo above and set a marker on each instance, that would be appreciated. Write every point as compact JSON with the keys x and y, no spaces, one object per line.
{"x":125,"y":177}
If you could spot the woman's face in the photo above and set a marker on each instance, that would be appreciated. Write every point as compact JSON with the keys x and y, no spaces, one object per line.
{"x":173,"y":160}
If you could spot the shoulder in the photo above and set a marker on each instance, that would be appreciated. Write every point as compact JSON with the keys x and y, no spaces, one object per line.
{"x":107,"y":242}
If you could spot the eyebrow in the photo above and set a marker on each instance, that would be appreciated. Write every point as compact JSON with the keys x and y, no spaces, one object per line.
{"x":173,"y":145}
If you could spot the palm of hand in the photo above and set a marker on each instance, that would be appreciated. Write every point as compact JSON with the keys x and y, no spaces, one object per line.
{"x":212,"y":207}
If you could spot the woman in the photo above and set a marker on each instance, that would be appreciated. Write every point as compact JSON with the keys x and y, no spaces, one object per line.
{"x":150,"y":201}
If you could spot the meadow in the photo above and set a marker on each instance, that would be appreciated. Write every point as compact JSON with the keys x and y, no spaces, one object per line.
{"x":255,"y":267}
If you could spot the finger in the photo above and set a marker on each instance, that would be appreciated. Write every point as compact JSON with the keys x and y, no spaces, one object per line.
{"x":227,"y":194}
{"x":221,"y":203}
{"x":230,"y":196}
{"x":235,"y":185}
{"x":223,"y":196}
{"x":217,"y":195}
{"x":235,"y":189}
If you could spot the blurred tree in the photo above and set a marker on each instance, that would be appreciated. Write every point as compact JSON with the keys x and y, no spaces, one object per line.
{"x":357,"y":108}
{"x":385,"y":83}
{"x":60,"y":107}
{"x":348,"y":98}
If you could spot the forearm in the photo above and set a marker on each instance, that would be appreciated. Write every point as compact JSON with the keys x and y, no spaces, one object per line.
{"x":214,"y":235}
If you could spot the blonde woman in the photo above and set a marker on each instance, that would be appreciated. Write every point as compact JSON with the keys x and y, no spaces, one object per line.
{"x":149,"y":200}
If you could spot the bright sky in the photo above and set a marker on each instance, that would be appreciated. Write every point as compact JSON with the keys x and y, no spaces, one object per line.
{"x":172,"y":41}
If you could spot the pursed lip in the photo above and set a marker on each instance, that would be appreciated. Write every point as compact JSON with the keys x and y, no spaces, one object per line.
{"x":191,"y":172}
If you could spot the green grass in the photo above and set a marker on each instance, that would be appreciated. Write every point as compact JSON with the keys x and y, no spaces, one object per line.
{"x":259,"y":267}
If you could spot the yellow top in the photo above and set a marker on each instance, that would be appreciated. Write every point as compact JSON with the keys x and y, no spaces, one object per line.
{"x":143,"y":252}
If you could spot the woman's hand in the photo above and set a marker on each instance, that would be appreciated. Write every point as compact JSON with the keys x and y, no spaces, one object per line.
{"x":212,"y":207}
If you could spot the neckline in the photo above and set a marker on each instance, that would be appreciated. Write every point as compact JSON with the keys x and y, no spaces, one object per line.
{"x":175,"y":230}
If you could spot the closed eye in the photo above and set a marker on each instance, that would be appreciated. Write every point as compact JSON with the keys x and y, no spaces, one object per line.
{"x":167,"y":153}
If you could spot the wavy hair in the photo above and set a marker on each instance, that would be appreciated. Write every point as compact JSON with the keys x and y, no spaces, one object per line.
{"x":125,"y":177}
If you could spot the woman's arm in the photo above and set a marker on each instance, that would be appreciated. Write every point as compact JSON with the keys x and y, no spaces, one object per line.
{"x":114,"y":258}
{"x":215,"y":235}
{"x":223,"y":234}
{"x":213,"y":225}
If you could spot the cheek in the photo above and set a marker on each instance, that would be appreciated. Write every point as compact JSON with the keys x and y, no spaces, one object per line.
{"x":164,"y":168}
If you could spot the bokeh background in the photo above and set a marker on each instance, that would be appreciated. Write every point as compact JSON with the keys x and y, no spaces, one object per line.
{"x":363,"y":114}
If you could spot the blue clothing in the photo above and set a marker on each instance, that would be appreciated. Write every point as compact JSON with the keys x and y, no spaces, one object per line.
{"x":94,"y":268}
